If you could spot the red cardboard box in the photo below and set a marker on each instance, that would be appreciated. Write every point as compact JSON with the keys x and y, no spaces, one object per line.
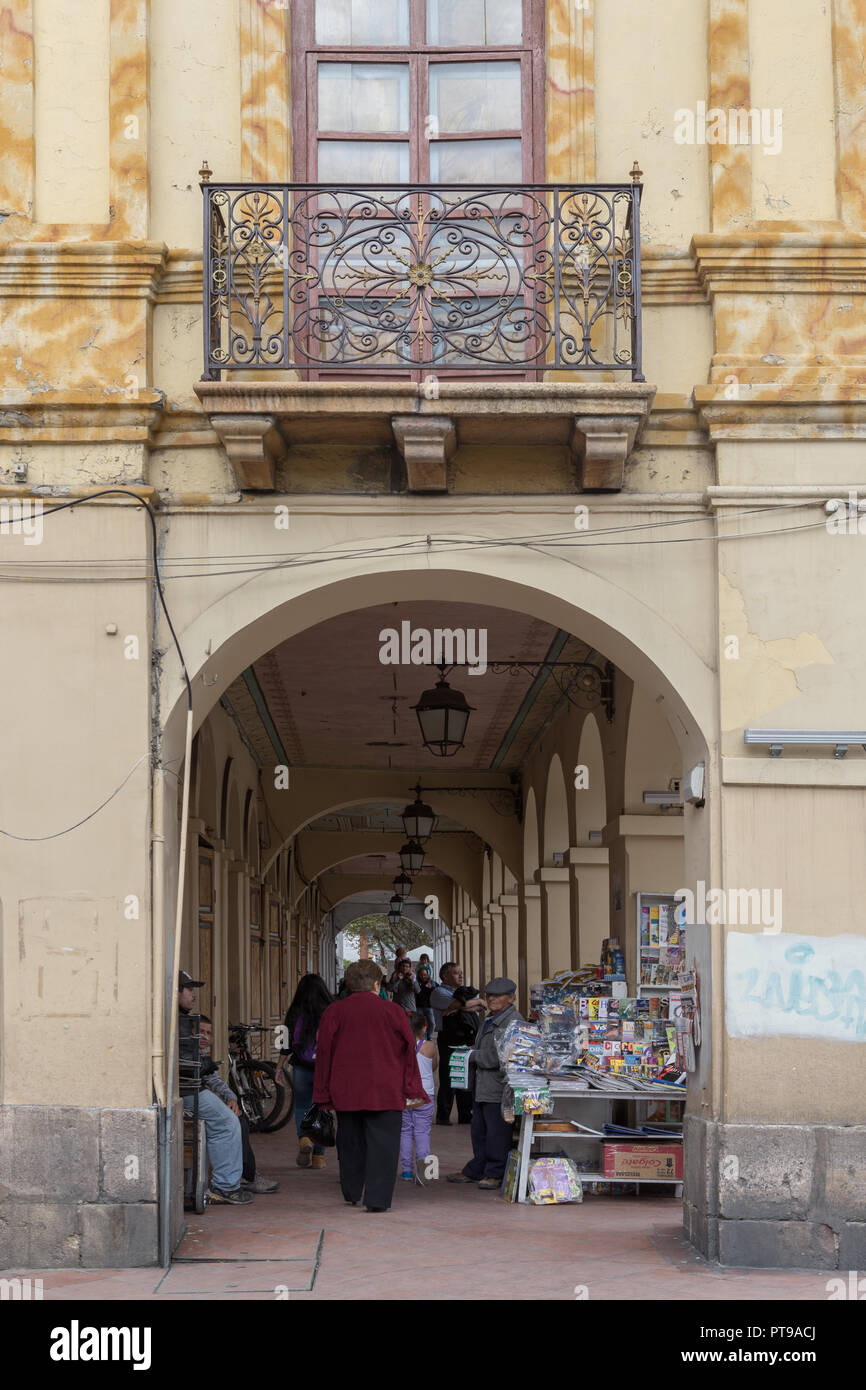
{"x":648,"y":1161}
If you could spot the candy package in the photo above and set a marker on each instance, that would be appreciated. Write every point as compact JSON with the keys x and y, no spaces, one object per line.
{"x":535,"y":1100}
{"x":553,"y":1180}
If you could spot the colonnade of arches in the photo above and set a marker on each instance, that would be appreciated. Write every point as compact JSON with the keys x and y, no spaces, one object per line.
{"x":546,"y":870}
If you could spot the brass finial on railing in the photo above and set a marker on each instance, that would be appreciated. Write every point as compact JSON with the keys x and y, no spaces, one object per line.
{"x":205,"y":172}
{"x":636,"y":172}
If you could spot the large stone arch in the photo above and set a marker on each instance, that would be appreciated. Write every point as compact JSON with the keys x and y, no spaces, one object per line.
{"x":325,"y":852}
{"x":359,"y":904}
{"x":320,"y":794}
{"x":656,"y":633}
{"x":321,"y":851}
{"x":226,"y":635}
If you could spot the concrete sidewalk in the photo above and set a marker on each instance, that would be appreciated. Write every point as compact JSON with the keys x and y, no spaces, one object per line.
{"x":305,"y":1243}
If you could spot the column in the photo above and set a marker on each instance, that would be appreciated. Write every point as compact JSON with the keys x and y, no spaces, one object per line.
{"x":555,"y":920}
{"x":530,"y":971}
{"x":590,"y":901}
{"x":472,"y":968}
{"x":219,"y":940}
{"x":237,"y":945}
{"x":496,"y":958}
{"x":510,"y":904}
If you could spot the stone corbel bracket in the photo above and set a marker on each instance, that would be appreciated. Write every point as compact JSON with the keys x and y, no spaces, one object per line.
{"x":602,"y":444}
{"x":254,"y":447}
{"x":426,"y":443}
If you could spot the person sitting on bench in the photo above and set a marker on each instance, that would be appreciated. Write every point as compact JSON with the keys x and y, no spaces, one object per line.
{"x":222,"y":1128}
{"x":214,"y":1082}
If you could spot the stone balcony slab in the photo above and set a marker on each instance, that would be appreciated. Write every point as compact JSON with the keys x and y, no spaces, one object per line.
{"x":259,"y":422}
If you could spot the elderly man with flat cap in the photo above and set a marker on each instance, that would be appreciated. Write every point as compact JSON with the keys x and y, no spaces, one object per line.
{"x":491,"y":1135}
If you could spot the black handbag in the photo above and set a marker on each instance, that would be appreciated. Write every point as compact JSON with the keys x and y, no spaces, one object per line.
{"x":318,"y":1124}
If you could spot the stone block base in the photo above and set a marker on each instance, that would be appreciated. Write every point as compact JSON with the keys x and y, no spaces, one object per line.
{"x":776,"y":1196}
{"x":78,"y":1187}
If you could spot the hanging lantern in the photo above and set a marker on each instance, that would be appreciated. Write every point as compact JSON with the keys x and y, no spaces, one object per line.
{"x":402,"y":887}
{"x":443,"y":714}
{"x":418,"y":819}
{"x":412,"y":858}
{"x":395,"y":911}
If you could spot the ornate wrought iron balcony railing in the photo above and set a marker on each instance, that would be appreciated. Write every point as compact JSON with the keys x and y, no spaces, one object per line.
{"x":507,"y":279}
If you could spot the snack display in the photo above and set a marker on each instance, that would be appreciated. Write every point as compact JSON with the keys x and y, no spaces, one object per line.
{"x":522,"y":1046}
{"x":588,"y":1039}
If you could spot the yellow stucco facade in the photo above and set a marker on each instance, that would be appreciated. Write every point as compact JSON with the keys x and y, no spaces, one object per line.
{"x":750,"y":420}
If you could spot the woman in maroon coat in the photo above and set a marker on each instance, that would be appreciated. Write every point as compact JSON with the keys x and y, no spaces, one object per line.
{"x":366,"y":1070}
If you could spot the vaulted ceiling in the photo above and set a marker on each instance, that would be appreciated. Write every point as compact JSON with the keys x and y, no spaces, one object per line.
{"x":335,"y":703}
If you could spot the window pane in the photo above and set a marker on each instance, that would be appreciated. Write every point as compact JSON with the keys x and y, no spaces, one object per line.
{"x":363,"y":161}
{"x":475,"y":96}
{"x":353,"y":22}
{"x":476,"y":161}
{"x":363,"y":96}
{"x":464,"y":23}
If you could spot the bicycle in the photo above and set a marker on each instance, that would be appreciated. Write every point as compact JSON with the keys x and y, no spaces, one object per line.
{"x":266,"y":1105}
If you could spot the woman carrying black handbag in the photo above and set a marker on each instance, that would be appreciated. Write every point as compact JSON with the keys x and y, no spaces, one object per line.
{"x":301,"y":1030}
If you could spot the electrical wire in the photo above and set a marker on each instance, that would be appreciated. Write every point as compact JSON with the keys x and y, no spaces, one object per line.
{"x":141,"y":501}
{"x":280,"y":557}
{"x":32,"y":839}
{"x":451,"y":545}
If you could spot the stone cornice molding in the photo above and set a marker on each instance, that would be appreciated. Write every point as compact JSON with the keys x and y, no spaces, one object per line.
{"x":788,"y":259}
{"x":83,"y":269}
{"x":669,"y":276}
{"x":65,"y":417}
{"x":836,"y":411}
{"x":180,"y":282}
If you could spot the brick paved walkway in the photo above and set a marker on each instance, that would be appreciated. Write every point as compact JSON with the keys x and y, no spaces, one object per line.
{"x":618,"y":1247}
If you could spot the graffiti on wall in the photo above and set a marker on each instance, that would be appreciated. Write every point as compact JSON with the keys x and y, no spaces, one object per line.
{"x":809,"y":986}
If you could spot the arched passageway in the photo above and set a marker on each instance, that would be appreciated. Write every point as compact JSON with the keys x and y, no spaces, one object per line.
{"x":316,"y":736}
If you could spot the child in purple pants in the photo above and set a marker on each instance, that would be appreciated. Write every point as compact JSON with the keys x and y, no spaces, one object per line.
{"x":417,"y":1119}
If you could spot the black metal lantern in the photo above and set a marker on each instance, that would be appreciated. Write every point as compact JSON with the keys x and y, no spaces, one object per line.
{"x":412,"y":857}
{"x":443,"y":714}
{"x":419,"y":818}
{"x":395,"y":911}
{"x":402,"y":887}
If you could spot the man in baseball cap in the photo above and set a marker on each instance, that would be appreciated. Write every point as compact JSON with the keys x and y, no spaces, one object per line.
{"x":491,"y":1134}
{"x":223,"y":1129}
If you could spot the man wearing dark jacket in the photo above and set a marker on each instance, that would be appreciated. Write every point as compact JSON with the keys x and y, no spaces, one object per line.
{"x":455,"y":1014}
{"x":491,"y":1134}
{"x":221,"y":1127}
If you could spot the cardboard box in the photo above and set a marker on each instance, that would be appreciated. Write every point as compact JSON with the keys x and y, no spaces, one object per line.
{"x":648,"y":1161}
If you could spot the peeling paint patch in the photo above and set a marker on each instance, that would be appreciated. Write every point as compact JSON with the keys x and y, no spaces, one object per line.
{"x":763,"y":676}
